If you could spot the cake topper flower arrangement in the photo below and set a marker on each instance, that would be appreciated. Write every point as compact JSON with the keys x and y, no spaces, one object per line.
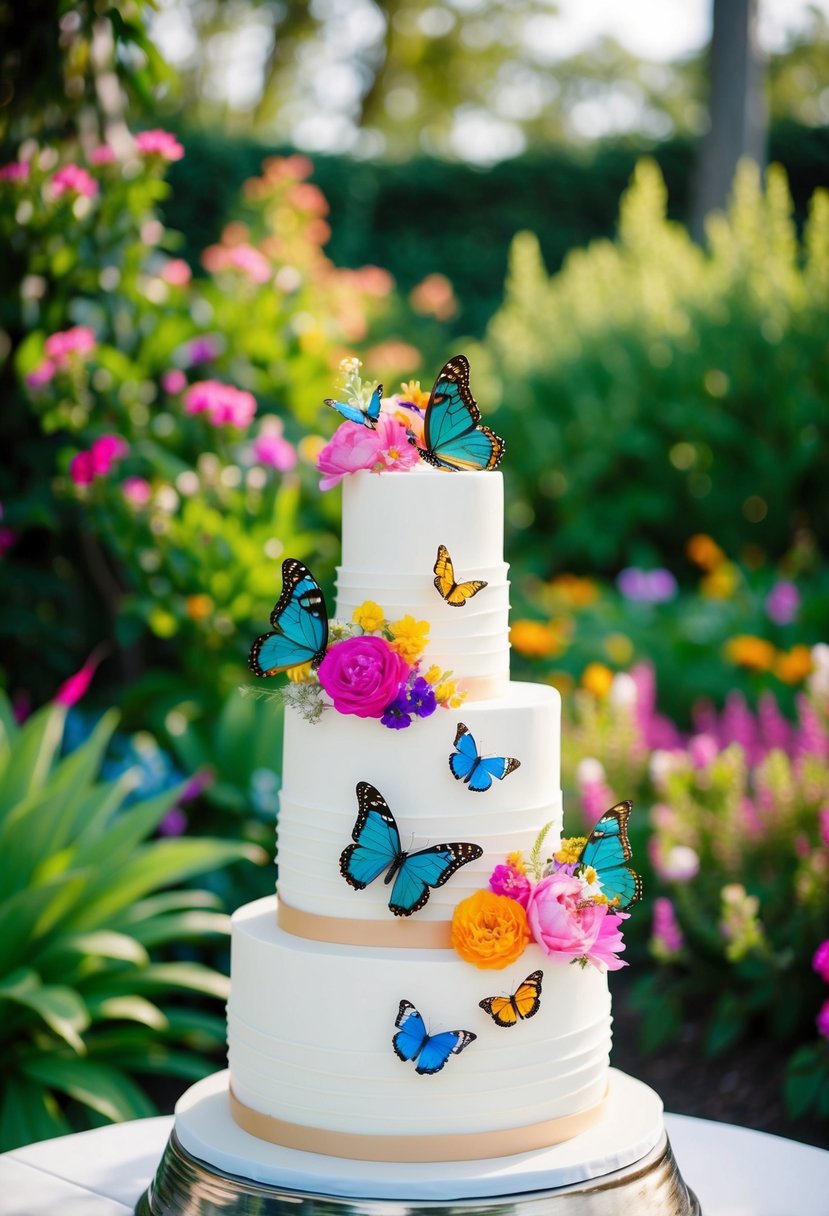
{"x":572,"y":905}
{"x":370,"y":666}
{"x":442,"y":428}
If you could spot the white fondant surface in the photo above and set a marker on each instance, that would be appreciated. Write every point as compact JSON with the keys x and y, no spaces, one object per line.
{"x":630,"y":1126}
{"x":324,"y":761}
{"x":310,"y":1028}
{"x":393,"y":524}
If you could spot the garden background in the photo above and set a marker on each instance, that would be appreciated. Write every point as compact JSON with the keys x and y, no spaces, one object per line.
{"x":189,"y":253}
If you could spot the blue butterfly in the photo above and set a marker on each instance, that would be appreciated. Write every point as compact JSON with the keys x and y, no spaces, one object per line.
{"x":300,"y":624}
{"x":353,"y":413}
{"x":452,"y":431}
{"x":608,"y":851}
{"x":376,"y":848}
{"x":431,"y":1051}
{"x":476,"y":770}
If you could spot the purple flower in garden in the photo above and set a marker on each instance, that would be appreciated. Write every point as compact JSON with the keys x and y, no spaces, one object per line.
{"x":159,"y":143}
{"x":666,"y":936}
{"x":397,"y":716}
{"x":73,"y":179}
{"x":646,"y":586}
{"x":15,"y":171}
{"x":820,"y":961}
{"x":421,"y":699}
{"x":174,"y":823}
{"x":8,"y":536}
{"x":783,"y":602}
{"x":822,"y":1020}
{"x":201,"y":349}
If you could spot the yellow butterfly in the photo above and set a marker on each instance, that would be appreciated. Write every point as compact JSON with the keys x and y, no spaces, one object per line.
{"x":523,"y":1004}
{"x":454,"y":593}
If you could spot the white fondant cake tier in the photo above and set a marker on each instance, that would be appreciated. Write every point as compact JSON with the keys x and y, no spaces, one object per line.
{"x":393,"y":524}
{"x":310,"y":1028}
{"x":324,"y":761}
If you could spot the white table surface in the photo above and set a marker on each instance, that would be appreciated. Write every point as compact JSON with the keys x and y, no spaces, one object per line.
{"x":734,"y":1171}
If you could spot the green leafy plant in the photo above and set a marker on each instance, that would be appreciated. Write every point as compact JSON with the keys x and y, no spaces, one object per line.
{"x":94,"y":992}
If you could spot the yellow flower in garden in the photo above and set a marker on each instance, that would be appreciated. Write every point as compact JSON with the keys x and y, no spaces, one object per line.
{"x":432,"y":674}
{"x":575,"y":591}
{"x":721,"y":583}
{"x":597,"y":679}
{"x":198,"y":607}
{"x":309,"y":448}
{"x":516,"y":862}
{"x":409,"y":637}
{"x":570,"y":849}
{"x":748,"y":651}
{"x":304,"y":674}
{"x":490,"y":930}
{"x":704,"y":552}
{"x":369,"y":616}
{"x":536,"y":639}
{"x":411,"y":391}
{"x":619,"y":649}
{"x":793,"y":665}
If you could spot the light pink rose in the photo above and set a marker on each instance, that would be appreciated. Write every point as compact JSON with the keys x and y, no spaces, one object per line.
{"x":362,"y":675}
{"x":352,"y":447}
{"x":564,"y":927}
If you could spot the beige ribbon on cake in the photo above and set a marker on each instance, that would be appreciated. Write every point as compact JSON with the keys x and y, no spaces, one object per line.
{"x":459,"y":1146}
{"x":350,"y":931}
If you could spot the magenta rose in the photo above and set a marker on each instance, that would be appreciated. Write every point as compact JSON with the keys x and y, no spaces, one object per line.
{"x":362,"y":675}
{"x":507,"y":880}
{"x":352,"y":447}
{"x":563,"y":926}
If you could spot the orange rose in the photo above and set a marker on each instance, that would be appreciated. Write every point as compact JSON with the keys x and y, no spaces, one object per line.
{"x":490,"y":930}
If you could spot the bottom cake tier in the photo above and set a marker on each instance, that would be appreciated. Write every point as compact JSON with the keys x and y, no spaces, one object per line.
{"x":312,"y":1064}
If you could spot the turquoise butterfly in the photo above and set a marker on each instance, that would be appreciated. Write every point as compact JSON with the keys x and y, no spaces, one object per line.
{"x":376,"y":848}
{"x":300,"y":625}
{"x":353,"y":413}
{"x":608,"y":851}
{"x":430,"y":1050}
{"x":478,"y":772}
{"x":452,"y":431}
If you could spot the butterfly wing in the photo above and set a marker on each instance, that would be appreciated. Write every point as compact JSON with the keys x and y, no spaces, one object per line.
{"x":353,"y":413}
{"x":376,"y":840}
{"x":608,"y":851}
{"x":439,"y":1047}
{"x":300,"y":624}
{"x":454,"y":438}
{"x":523,"y":1004}
{"x":425,"y":869}
{"x":454,"y":593}
{"x":411,"y":1036}
{"x":478,"y":771}
{"x":464,"y":759}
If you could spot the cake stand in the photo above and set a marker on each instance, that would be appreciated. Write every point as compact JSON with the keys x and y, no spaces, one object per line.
{"x":623,"y":1164}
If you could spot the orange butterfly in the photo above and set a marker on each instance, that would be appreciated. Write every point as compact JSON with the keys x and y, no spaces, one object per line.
{"x":454,"y":593}
{"x":523,"y":1004}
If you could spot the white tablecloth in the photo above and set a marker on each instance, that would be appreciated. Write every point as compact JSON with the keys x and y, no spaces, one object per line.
{"x":734,"y":1171}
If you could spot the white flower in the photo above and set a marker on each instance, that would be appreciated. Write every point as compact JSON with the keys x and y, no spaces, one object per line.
{"x":589,"y":772}
{"x":623,"y":691}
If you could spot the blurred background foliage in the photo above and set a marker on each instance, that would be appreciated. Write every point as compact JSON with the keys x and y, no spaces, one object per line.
{"x":174,"y":305}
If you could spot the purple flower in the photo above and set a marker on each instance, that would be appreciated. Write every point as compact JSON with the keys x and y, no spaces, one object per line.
{"x":397,"y":715}
{"x":820,"y":961}
{"x":822,"y":1020}
{"x":783,"y":602}
{"x":174,"y":823}
{"x":421,"y":699}
{"x":666,"y":936}
{"x":201,"y":349}
{"x":646,"y":586}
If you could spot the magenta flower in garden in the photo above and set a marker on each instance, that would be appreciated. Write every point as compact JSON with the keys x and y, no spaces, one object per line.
{"x":646,"y":586}
{"x":98,"y":460}
{"x":60,"y":347}
{"x":820,"y":961}
{"x":174,"y":382}
{"x":223,"y":404}
{"x":14,"y":171}
{"x":159,"y":143}
{"x":103,"y":155}
{"x":666,"y":936}
{"x":200,"y":350}
{"x":783,"y":602}
{"x":272,"y":449}
{"x":564,"y":926}
{"x":72,"y":690}
{"x":822,"y":1020}
{"x":350,"y":449}
{"x":73,"y":179}
{"x":136,"y":491}
{"x":509,"y":881}
{"x":363,"y":675}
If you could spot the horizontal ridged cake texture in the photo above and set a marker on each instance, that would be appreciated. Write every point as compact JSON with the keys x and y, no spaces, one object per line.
{"x":318,"y":976}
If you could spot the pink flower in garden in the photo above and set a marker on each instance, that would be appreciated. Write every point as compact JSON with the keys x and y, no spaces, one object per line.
{"x":251,"y":262}
{"x":174,"y":382}
{"x":177,"y":272}
{"x":822,"y":1020}
{"x":72,"y":690}
{"x":201,"y":349}
{"x":104,"y":154}
{"x":362,"y":675}
{"x":350,"y":448}
{"x":61,"y":346}
{"x":820,"y":961}
{"x":507,"y":880}
{"x":41,"y":375}
{"x":823,"y":824}
{"x":223,"y":404}
{"x":73,"y":179}
{"x":159,"y":143}
{"x":783,"y":602}
{"x":15,"y":171}
{"x":565,"y":926}
{"x":271,"y":448}
{"x":666,"y":936}
{"x":702,"y":750}
{"x":98,"y":460}
{"x":137,"y":491}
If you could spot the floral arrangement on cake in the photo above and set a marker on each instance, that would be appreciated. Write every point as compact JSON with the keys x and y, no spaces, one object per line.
{"x":394,"y":434}
{"x":560,"y":903}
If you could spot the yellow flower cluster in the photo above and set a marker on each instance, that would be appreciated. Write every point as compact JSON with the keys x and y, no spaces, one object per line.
{"x":304,"y":674}
{"x":597,"y":678}
{"x":515,"y":861}
{"x":569,"y":850}
{"x":409,"y":637}
{"x":537,"y":639}
{"x":446,"y":689}
{"x":411,"y":391}
{"x":489,"y":930}
{"x":369,"y":616}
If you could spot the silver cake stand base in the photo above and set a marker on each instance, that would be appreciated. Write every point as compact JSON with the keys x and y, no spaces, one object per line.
{"x":623,"y":1164}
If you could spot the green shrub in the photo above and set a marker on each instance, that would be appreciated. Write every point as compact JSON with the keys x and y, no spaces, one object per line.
{"x":653,"y":389}
{"x":94,"y":993}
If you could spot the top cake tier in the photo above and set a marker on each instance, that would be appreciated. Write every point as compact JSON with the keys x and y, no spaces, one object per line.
{"x":393,"y":524}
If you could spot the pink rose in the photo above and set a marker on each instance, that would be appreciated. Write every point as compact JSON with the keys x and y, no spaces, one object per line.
{"x":564,"y":926}
{"x":506,"y":880}
{"x":362,"y":675}
{"x":352,"y":447}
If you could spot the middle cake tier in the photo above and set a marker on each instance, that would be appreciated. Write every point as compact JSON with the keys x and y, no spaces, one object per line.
{"x":325,"y":761}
